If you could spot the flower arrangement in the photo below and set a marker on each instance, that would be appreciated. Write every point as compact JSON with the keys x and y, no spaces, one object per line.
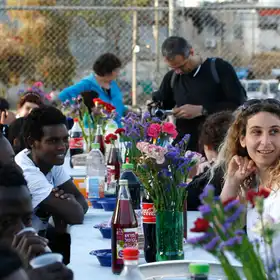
{"x":164,"y":172}
{"x":146,"y":129}
{"x":221,"y":225}
{"x":77,"y":109}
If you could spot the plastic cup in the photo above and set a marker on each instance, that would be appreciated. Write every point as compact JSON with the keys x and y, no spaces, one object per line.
{"x":31,"y":229}
{"x":45,"y":260}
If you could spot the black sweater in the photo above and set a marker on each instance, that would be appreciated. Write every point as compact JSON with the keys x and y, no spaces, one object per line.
{"x":200,"y":88}
{"x":197,"y":185}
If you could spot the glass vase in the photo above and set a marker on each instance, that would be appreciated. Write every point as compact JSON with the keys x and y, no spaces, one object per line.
{"x":169,"y":235}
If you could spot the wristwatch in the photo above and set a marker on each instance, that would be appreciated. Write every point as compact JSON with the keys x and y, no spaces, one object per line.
{"x":204,"y":112}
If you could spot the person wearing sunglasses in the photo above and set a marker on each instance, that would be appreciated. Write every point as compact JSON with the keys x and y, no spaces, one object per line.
{"x":195,"y":87}
{"x":250,"y":159}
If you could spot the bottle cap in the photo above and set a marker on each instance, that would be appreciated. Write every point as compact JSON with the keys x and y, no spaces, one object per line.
{"x":76,"y":120}
{"x":130,"y":254}
{"x":199,"y":268}
{"x":95,"y":146}
{"x":127,"y":166}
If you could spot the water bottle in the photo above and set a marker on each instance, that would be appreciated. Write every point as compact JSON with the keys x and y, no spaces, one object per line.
{"x":199,"y":271}
{"x":131,"y":270}
{"x":95,"y":168}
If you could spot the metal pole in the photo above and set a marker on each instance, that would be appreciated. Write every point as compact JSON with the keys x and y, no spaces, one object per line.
{"x":171,"y":17}
{"x":156,"y":35}
{"x":134,"y":58}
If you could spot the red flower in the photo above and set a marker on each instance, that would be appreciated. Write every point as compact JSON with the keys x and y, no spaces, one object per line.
{"x":154,"y":130}
{"x":110,"y":108}
{"x":120,"y":131}
{"x":264,"y":192}
{"x":98,"y":101}
{"x":226,"y":202}
{"x":110,"y":138}
{"x":200,"y":225}
{"x":251,"y":195}
{"x":170,"y":129}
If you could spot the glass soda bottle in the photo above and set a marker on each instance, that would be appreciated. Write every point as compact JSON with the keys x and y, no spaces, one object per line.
{"x":76,"y":142}
{"x":113,"y":167}
{"x":100,"y":139}
{"x":131,"y":270}
{"x":124,"y":227}
{"x":149,"y":229}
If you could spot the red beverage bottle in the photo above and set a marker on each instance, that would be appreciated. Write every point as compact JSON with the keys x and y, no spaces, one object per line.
{"x":149,"y":229}
{"x":124,"y":227}
{"x":100,"y":139}
{"x":113,"y":165}
{"x":76,"y":142}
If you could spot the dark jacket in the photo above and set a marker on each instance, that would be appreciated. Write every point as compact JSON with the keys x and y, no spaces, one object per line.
{"x":200,"y":88}
{"x":197,"y":185}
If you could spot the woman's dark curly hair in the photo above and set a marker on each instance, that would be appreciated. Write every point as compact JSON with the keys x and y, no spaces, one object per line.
{"x":106,"y":64}
{"x":215,"y":129}
{"x":32,"y":97}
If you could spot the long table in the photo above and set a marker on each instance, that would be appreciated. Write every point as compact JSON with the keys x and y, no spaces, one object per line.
{"x":85,"y":238}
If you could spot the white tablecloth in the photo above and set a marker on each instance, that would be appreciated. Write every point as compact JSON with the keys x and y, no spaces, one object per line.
{"x":85,"y":238}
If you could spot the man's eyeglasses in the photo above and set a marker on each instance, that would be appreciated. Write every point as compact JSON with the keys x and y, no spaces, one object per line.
{"x":253,"y":102}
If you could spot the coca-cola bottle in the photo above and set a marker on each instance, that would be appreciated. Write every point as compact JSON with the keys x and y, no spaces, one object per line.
{"x":149,"y":229}
{"x":124,"y":227}
{"x":100,"y":139}
{"x":76,"y":142}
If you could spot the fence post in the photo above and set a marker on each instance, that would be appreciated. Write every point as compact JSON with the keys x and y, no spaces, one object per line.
{"x":134,"y":57}
{"x":171,"y":17}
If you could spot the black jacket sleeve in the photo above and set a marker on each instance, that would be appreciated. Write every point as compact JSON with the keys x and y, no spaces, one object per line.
{"x":234,"y":94}
{"x":165,"y":93}
{"x":196,"y":186}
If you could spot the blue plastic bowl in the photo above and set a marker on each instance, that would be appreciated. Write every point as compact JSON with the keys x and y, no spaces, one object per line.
{"x":109,"y":205}
{"x":95,"y":202}
{"x":104,"y":256}
{"x":106,"y":232}
{"x":110,"y":195}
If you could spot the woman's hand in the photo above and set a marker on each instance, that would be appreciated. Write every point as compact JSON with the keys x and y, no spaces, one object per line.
{"x":240,"y":168}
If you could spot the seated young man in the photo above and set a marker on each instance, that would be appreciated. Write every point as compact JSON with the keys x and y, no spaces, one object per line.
{"x":15,"y":214}
{"x":15,"y":135}
{"x":7,"y":155}
{"x":212,"y":135}
{"x":46,"y":138}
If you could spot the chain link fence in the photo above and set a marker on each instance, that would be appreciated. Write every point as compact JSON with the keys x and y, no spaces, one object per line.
{"x":57,"y":42}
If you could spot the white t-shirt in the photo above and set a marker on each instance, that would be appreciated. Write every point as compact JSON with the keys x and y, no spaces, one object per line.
{"x":271,"y":214}
{"x":40,"y":185}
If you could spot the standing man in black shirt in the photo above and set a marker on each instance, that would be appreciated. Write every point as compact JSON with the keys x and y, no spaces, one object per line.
{"x":195,"y":88}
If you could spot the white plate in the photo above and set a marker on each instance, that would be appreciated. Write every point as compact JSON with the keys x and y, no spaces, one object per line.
{"x":179,"y":269}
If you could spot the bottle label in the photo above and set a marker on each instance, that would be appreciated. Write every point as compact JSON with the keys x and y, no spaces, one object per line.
{"x":76,"y":143}
{"x":111,"y":174}
{"x":148,"y":213}
{"x":126,"y":237}
{"x":95,"y":187}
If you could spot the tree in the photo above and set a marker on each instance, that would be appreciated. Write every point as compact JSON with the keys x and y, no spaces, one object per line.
{"x":37,"y":49}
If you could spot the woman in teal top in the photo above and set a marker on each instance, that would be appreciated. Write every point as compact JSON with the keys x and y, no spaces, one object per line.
{"x":106,"y":69}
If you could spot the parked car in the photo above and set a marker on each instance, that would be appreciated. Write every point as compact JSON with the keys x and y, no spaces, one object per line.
{"x":261,"y":89}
